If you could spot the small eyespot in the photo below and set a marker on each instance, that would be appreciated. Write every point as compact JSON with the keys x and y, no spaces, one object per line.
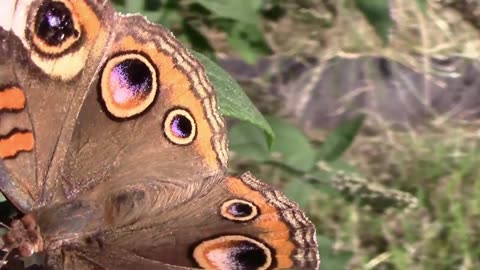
{"x":128,"y":85}
{"x":232,"y":252}
{"x":239,"y":210}
{"x":179,"y":126}
{"x":54,"y":28}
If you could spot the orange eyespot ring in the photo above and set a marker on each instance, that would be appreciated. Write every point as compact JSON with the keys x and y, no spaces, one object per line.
{"x":54,"y":28}
{"x":239,"y":210}
{"x":179,"y":126}
{"x":128,"y":84}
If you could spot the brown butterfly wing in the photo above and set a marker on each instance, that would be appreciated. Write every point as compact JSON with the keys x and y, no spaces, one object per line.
{"x":51,"y":72}
{"x":94,"y":259}
{"x":15,"y":127}
{"x":240,"y":223}
{"x":150,"y":115}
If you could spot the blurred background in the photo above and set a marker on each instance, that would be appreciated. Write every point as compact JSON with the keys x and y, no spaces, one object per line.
{"x":374,"y":105}
{"x":373,"y":117}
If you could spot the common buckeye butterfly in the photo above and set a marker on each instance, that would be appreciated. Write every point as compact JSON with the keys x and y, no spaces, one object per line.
{"x":113,"y":147}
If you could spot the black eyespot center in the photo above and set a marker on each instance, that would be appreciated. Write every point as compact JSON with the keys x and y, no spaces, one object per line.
{"x":54,"y":23}
{"x":136,"y":72}
{"x":248,"y":255}
{"x":133,"y":80}
{"x":239,"y":209}
{"x":181,"y":126}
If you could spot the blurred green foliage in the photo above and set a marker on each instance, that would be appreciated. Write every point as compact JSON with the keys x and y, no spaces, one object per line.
{"x":377,"y":13}
{"x":240,"y":21}
{"x":291,"y":149}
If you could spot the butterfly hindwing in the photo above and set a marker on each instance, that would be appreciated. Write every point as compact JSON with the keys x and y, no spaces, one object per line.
{"x":240,"y":223}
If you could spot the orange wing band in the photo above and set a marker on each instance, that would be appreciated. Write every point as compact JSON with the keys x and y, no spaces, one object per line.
{"x":12,"y":98}
{"x":15,"y":143}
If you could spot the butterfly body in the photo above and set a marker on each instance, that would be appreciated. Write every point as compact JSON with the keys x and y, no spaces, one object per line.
{"x":113,"y":146}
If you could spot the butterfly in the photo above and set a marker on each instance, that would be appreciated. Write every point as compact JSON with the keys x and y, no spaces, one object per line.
{"x":113,"y":147}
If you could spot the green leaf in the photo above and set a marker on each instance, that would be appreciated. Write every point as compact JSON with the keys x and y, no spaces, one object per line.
{"x":243,"y":11}
{"x":199,"y":42}
{"x":120,"y":8}
{"x":422,"y":5}
{"x":233,"y":101}
{"x":339,"y":140}
{"x":299,"y":191}
{"x":377,"y":13}
{"x":169,"y":15}
{"x":291,"y":147}
{"x":2,"y":197}
{"x":242,"y":46}
{"x":249,"y":141}
{"x":248,"y":41}
{"x":152,"y":16}
{"x":134,"y":6}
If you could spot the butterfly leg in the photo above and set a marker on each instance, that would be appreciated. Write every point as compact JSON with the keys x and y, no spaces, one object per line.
{"x":24,"y":236}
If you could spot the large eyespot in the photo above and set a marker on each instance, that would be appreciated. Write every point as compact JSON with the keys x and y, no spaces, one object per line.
{"x":232,"y":252}
{"x":239,"y":210}
{"x":128,"y":84}
{"x":179,"y":126}
{"x":54,"y":29}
